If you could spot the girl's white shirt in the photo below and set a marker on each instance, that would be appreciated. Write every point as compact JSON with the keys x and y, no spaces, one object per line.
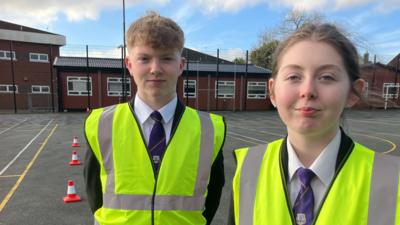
{"x":323,"y":167}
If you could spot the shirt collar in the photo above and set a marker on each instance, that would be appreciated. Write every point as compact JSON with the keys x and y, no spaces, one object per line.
{"x":143,"y":111}
{"x":324,"y":164}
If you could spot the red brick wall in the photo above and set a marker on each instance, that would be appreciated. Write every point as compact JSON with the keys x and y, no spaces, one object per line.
{"x":206,"y":98}
{"x":26,"y":74}
{"x":376,"y":76}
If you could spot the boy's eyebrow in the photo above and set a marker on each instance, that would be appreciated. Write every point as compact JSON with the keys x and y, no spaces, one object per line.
{"x":141,"y":54}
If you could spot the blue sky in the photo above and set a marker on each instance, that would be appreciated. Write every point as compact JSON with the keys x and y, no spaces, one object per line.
{"x":233,"y":26}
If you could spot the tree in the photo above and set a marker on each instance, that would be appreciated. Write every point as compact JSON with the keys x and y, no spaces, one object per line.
{"x":262,"y":56}
{"x":239,"y":60}
{"x":296,"y":19}
{"x":269,"y":39}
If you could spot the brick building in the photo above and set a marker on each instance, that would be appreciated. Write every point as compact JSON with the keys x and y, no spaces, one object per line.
{"x":382,"y":86}
{"x":34,"y":77}
{"x":26,"y":72}
{"x":237,"y":89}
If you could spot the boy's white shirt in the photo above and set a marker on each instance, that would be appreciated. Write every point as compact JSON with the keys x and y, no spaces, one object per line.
{"x":323,"y":167}
{"x":143,"y":111}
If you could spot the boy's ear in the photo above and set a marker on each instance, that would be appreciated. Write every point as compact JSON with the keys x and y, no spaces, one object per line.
{"x":355,"y":93}
{"x":127,"y":63}
{"x":182,"y":65}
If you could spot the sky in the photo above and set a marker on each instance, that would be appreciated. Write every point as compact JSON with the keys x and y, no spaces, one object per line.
{"x":233,"y":26}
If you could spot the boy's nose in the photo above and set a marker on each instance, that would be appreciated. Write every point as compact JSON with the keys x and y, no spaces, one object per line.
{"x":155,"y":67}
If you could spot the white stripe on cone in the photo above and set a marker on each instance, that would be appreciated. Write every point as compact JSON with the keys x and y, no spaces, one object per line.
{"x":75,"y":142}
{"x":71,"y":193}
{"x":74,"y":161}
{"x":71,"y":190}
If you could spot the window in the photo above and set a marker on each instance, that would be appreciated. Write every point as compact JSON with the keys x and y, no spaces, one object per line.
{"x":391,"y":90}
{"x":40,"y":89}
{"x":226,"y":89}
{"x":366,"y":90}
{"x":77,"y":86}
{"x":114,"y":86}
{"x":38,"y":57}
{"x":189,"y":88}
{"x":257,"y":90}
{"x":6,"y":55}
{"x":8,"y":88}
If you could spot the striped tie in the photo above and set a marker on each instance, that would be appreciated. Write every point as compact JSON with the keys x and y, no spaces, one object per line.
{"x":303,"y":208}
{"x":157,"y":140}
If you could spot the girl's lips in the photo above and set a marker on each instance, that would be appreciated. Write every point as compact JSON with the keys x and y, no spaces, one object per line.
{"x":307,"y":111}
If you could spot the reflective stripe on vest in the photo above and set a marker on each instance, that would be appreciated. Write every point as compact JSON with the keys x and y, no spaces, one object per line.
{"x":383,"y":188}
{"x":249,"y":177}
{"x":144,"y":202}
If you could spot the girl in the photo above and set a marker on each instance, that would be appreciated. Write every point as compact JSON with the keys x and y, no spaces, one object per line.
{"x":317,"y":174}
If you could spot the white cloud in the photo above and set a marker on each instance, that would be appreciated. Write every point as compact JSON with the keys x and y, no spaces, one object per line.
{"x":306,"y":5}
{"x":183,"y":17}
{"x":231,"y":54}
{"x":44,"y":12}
{"x":343,"y":4}
{"x":388,"y":5}
{"x":96,"y":52}
{"x":380,"y":6}
{"x":212,"y":6}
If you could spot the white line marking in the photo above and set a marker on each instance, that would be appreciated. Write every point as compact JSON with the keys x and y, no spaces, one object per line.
{"x":240,"y":139}
{"x":262,"y":141}
{"x":22,"y":151}
{"x":13,"y":126}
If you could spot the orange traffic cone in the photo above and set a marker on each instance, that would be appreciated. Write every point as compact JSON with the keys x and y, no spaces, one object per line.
{"x":75,"y":142}
{"x":74,"y":161}
{"x":71,"y":193}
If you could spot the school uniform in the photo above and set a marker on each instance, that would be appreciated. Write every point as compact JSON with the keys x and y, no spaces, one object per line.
{"x":175,"y":117}
{"x":351,"y":185}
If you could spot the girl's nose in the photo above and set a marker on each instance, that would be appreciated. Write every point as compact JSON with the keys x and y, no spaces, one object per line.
{"x":308,"y":89}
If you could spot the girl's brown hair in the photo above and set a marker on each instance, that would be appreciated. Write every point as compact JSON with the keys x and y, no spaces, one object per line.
{"x":326,"y":33}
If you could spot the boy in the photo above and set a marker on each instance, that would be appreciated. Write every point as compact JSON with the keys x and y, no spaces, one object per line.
{"x":153,"y":160}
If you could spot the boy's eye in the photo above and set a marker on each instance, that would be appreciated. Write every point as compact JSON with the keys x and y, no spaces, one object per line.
{"x":142,"y":58}
{"x":168,"y":58}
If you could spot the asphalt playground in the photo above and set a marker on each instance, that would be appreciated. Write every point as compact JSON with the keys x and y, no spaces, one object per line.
{"x":35,"y":150}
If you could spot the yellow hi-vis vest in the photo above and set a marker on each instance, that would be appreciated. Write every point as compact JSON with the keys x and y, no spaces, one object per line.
{"x":365,"y":190}
{"x":132,"y":193}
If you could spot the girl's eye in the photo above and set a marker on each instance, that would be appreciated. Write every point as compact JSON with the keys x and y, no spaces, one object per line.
{"x":327,"y":77}
{"x":293,"y":77}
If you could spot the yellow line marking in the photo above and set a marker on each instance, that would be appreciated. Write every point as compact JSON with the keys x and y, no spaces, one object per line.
{"x":7,"y":176}
{"x":28,"y":167}
{"x":385,"y":152}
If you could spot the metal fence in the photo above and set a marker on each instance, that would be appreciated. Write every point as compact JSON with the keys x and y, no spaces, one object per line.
{"x":25,"y":89}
